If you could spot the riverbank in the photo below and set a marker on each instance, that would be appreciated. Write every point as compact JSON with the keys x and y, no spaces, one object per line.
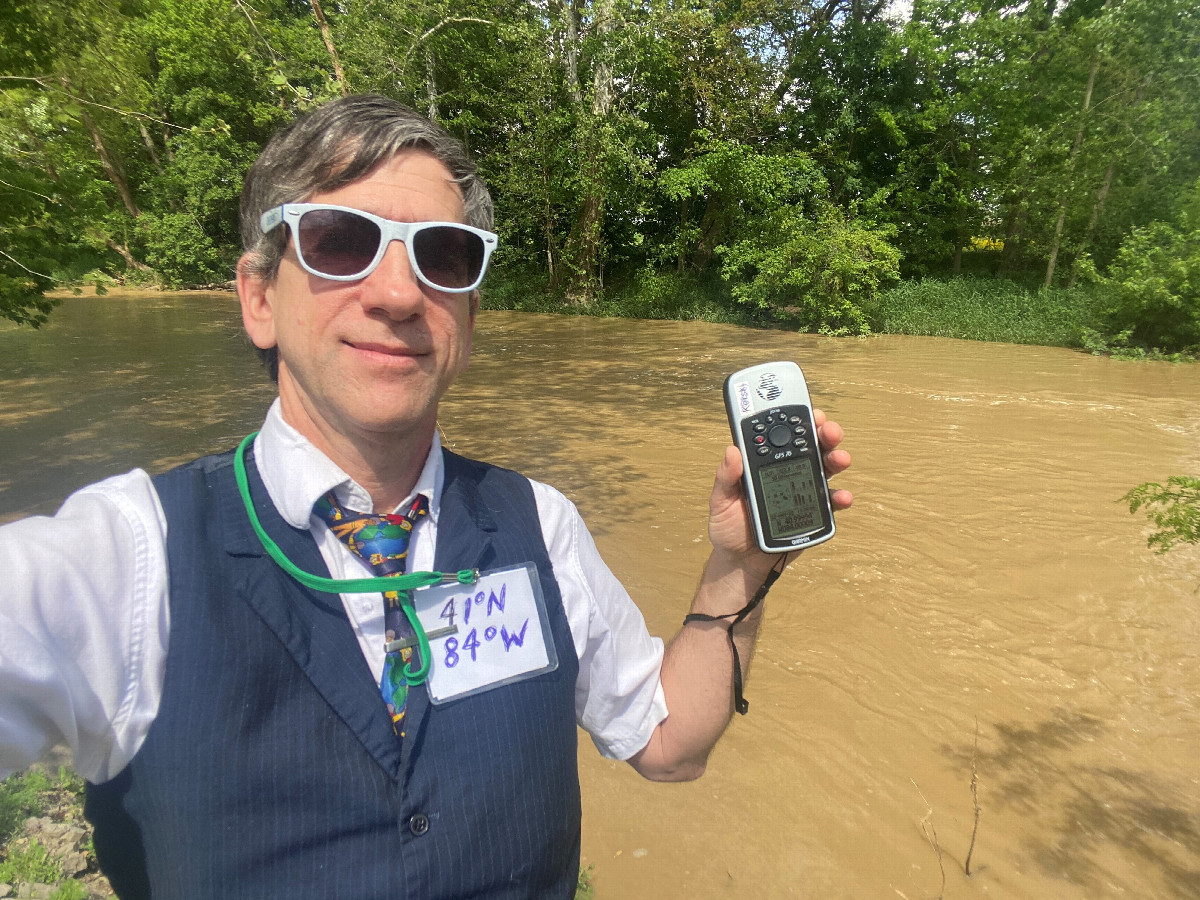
{"x":965,"y":307}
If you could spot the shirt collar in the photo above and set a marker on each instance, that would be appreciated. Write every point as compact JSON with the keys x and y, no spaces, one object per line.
{"x":297,"y":474}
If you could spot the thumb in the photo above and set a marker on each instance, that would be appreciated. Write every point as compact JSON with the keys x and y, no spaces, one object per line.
{"x":727,"y":486}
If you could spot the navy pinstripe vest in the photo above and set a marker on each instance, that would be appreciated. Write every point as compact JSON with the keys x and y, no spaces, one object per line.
{"x":271,"y":769}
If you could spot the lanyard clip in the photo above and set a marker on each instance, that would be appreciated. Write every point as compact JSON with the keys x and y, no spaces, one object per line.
{"x":462,"y":576}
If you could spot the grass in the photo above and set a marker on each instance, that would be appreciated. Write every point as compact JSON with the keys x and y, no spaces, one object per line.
{"x":21,"y":796}
{"x":32,"y":863}
{"x":982,"y":309}
{"x":22,"y":859}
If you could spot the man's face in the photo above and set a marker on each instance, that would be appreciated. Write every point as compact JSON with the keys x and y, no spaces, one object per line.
{"x":367,"y":359}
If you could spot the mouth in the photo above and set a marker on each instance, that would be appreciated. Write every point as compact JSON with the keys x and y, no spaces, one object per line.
{"x":382,"y":351}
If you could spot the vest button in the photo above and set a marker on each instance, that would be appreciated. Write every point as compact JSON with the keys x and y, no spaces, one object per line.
{"x":418,"y":824}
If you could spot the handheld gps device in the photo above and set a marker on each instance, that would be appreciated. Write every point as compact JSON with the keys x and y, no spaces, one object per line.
{"x":770,"y":415}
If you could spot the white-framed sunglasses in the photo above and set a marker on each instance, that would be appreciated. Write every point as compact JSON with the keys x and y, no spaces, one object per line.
{"x":344,"y":244}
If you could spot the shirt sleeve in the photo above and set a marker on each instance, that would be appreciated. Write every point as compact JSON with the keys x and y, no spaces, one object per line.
{"x":83,"y":627}
{"x":619,"y":698}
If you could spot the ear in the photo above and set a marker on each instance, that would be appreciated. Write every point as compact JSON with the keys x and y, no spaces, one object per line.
{"x":258,"y":315}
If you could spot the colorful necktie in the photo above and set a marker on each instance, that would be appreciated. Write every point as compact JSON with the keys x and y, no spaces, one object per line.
{"x":382,"y":541}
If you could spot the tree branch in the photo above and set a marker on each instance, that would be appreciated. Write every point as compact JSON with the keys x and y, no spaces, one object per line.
{"x":449,"y":20}
{"x":27,"y":191}
{"x":25,"y":267}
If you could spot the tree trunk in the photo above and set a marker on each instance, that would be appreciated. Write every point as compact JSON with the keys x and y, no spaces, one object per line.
{"x":1097,"y":209}
{"x":126,"y":255}
{"x":149,"y":142}
{"x":431,"y":83}
{"x":1062,"y":202}
{"x":571,"y":53}
{"x":680,"y":256}
{"x":1102,"y":196}
{"x":714,"y":226}
{"x":327,"y":37}
{"x":585,"y":235}
{"x":110,"y":166}
{"x":1014,"y":230}
{"x":552,"y":269}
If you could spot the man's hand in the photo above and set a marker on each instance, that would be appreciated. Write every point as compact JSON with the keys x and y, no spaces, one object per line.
{"x":729,"y":526}
{"x":697,"y":670}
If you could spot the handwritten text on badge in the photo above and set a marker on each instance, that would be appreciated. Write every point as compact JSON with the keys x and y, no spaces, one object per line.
{"x":499,"y":634}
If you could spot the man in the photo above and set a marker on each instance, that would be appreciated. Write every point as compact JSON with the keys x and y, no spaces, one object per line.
{"x":227,"y":712}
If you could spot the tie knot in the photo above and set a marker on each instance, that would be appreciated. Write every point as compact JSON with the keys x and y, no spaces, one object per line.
{"x":379,"y":539}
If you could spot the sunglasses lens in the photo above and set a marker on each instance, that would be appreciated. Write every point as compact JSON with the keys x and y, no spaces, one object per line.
{"x":448,"y":257}
{"x":336,"y":242}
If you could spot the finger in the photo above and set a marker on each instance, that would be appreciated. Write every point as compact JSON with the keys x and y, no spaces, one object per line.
{"x":841,"y":499}
{"x":836,"y":461}
{"x":829,"y":435}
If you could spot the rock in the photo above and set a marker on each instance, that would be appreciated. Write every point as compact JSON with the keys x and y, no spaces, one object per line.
{"x":5,"y":891}
{"x":41,"y":891}
{"x":24,"y":891}
{"x":73,"y":863}
{"x":60,"y":839}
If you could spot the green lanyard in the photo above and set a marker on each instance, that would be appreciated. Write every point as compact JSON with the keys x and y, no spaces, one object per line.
{"x":401,"y":584}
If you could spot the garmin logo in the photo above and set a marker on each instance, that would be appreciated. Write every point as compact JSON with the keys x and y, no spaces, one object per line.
{"x":768,"y":389}
{"x":743,"y":395}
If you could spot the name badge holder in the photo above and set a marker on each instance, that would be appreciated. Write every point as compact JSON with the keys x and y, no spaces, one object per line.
{"x":485,"y":635}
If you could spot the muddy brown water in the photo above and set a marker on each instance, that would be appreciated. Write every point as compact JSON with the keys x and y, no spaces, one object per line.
{"x":988,"y":605}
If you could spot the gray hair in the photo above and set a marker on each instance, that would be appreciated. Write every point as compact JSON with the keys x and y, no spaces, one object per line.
{"x":335,"y":145}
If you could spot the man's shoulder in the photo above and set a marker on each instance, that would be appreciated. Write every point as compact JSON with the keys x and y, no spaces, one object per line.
{"x":459,"y":467}
{"x":205,"y":465}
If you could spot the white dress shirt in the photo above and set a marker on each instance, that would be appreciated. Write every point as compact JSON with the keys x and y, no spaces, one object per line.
{"x":85,"y":615}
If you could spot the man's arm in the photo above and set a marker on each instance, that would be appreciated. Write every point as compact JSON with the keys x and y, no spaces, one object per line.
{"x":697,"y":670}
{"x":83,"y":627}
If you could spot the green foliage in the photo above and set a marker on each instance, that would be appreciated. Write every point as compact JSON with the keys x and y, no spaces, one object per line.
{"x":180,"y":250}
{"x":70,"y":782}
{"x":20,"y":798}
{"x":988,"y":310}
{"x":584,"y":889}
{"x":1157,"y":281}
{"x":799,"y":150}
{"x":29,"y":794}
{"x":823,"y":273}
{"x":784,"y":246}
{"x":70,"y":890}
{"x":1173,"y":509}
{"x":652,"y":294}
{"x":33,"y":864}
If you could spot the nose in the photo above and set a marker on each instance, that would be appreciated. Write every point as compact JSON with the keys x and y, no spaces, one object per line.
{"x":393,"y":288}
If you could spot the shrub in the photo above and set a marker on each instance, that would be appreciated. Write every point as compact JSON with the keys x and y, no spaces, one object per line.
{"x":823,"y":272}
{"x":1157,"y":280}
{"x":178,"y":248}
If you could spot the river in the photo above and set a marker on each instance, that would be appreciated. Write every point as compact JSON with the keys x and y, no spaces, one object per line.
{"x":988,"y":605}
